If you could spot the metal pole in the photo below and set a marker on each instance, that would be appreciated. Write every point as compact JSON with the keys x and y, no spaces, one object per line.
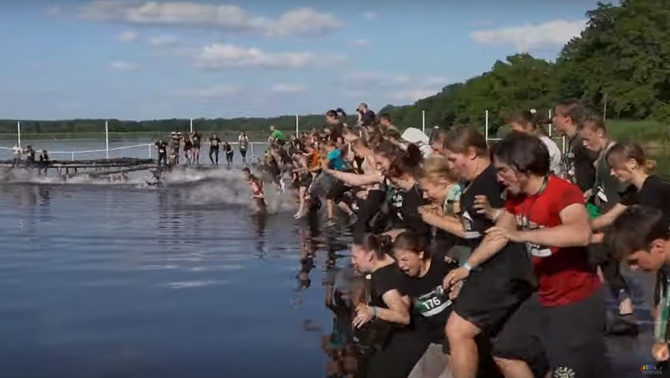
{"x":551,"y":124}
{"x":150,"y":152}
{"x":18,"y":132}
{"x":297,"y":125}
{"x":106,"y":139}
{"x":191,"y":125}
{"x":486,"y":123}
{"x":423,"y":121}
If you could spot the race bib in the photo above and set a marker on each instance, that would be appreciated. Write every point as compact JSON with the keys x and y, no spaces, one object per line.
{"x":537,"y":250}
{"x":432,"y":303}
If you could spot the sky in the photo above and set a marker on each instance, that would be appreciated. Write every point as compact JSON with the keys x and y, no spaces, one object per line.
{"x":189,"y":59}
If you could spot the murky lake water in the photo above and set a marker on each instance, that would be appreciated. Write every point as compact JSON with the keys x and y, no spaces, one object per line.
{"x":129,"y":281}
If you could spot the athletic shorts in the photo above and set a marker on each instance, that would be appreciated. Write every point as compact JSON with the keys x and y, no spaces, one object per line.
{"x":488,"y":301}
{"x":337,"y":191}
{"x":571,"y":336}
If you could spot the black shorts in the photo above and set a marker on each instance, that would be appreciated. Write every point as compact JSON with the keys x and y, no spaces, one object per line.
{"x":305,"y":180}
{"x":570,"y":336}
{"x":337,"y":191}
{"x":488,"y":299}
{"x":397,"y":358}
{"x":243,"y":152}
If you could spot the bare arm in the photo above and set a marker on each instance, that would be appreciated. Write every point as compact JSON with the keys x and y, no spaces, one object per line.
{"x":491,"y":245}
{"x":397,"y":311}
{"x":573,"y":232}
{"x":445,"y":222}
{"x":608,"y":218}
{"x":354,"y":179}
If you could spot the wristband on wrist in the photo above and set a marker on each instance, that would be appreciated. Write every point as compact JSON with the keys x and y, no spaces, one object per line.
{"x":374,"y":312}
{"x":466,"y":266}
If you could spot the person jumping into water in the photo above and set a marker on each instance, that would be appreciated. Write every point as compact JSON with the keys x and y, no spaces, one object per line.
{"x":257,"y":196}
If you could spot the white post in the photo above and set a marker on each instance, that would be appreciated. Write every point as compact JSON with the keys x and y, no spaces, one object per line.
{"x":423,"y":121}
{"x":150,"y":152}
{"x":106,"y":139}
{"x":486,"y":125}
{"x":551,"y":124}
{"x":18,"y":133}
{"x":297,"y":125}
{"x":191,"y":125}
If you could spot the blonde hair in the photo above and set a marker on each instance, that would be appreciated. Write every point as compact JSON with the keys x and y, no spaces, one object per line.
{"x":436,"y":168}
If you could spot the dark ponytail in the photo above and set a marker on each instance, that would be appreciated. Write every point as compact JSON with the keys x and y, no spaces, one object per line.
{"x":406,"y":162}
{"x":380,"y":245}
{"x":341,"y":112}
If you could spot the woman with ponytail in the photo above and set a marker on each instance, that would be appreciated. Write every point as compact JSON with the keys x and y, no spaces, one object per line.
{"x":402,"y":344}
{"x":528,"y":122}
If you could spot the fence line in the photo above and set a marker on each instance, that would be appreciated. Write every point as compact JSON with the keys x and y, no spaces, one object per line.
{"x":151,"y":146}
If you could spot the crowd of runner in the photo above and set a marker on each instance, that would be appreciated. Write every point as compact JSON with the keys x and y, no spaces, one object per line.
{"x":482,"y":260}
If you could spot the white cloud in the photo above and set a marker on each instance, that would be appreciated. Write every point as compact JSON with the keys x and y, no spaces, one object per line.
{"x":208,"y":92}
{"x":396,"y":88}
{"x":411,"y":95}
{"x":230,"y":18}
{"x":53,"y":10}
{"x":129,"y":36}
{"x":361,"y":42}
{"x":163,"y":41}
{"x":531,"y":36}
{"x":288,"y":88}
{"x":219,"y":56}
{"x":124,"y":66}
{"x":370,"y":15}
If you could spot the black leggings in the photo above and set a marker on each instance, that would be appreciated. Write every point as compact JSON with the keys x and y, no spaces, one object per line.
{"x":398,"y":357}
{"x":215,"y":158}
{"x":367,"y":209}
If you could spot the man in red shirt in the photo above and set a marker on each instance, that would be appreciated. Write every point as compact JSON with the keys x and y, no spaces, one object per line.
{"x":566,"y":317}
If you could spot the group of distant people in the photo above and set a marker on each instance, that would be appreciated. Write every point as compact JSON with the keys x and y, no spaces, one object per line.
{"x":486,"y":259}
{"x":169,"y":151}
{"x":29,"y":153}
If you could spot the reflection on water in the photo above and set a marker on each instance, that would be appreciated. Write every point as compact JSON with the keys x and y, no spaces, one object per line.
{"x":109,"y":281}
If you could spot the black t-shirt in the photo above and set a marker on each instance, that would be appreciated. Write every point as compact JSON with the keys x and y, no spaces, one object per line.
{"x":161,"y":147}
{"x":512,"y":263}
{"x":196,"y":138}
{"x":227,"y":147}
{"x":336,"y":131}
{"x":578,"y":164}
{"x":214,"y":142}
{"x":431,"y":307}
{"x":368,"y":118}
{"x":405,"y":207}
{"x":654,"y":193}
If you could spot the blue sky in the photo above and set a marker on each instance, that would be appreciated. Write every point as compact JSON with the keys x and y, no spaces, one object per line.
{"x":148,"y":60}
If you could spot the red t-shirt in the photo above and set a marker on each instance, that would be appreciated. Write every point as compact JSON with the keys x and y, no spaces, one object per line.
{"x":565,"y":275}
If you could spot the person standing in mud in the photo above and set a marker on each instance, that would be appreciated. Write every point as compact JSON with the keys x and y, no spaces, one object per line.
{"x":196,"y":139}
{"x":243,"y":141}
{"x":228,"y":149}
{"x":214,"y":142}
{"x":161,"y":149}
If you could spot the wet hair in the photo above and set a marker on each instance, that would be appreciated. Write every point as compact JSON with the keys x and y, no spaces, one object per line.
{"x":392,"y":134}
{"x":461,"y":140}
{"x":628,"y":150}
{"x":360,"y":142}
{"x":438,"y":136}
{"x":524,"y":152}
{"x":592,"y":122}
{"x":634,"y":230}
{"x":412,"y":242}
{"x":388,"y":150}
{"x":385,"y":116}
{"x":530,"y":121}
{"x":437,"y":168}
{"x":332,"y":113}
{"x":380,"y":245}
{"x":246,"y":170}
{"x":572,"y":109}
{"x":406,"y":162}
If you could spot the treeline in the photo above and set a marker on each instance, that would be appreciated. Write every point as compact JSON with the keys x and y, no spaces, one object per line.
{"x":620,"y":65}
